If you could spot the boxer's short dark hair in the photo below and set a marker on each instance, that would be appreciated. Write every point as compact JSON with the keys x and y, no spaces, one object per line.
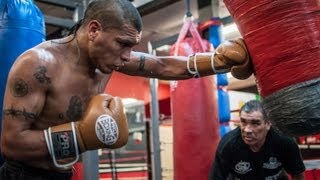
{"x":111,"y":13}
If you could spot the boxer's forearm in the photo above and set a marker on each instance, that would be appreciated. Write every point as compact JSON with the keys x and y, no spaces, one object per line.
{"x":25,"y":146}
{"x":230,"y":56}
{"x":19,"y":140}
{"x":161,"y":67}
{"x":172,"y":67}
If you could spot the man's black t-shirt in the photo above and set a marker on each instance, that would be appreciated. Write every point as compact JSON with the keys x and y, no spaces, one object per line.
{"x":235,"y":158}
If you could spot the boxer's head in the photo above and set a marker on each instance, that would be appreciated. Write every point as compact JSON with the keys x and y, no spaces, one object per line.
{"x":111,"y":14}
{"x":254,"y":124}
{"x":108,"y":31}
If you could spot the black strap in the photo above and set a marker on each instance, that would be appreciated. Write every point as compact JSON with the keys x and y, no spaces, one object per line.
{"x":188,"y":13}
{"x":63,"y":144}
{"x":141,"y":64}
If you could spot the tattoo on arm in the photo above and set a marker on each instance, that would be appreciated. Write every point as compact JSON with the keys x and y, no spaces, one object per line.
{"x":15,"y":113}
{"x":40,"y":75}
{"x":141,"y":63}
{"x":19,"y":88}
{"x":75,"y":109}
{"x":61,"y":116}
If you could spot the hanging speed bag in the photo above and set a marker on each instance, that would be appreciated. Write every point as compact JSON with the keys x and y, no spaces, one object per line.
{"x":283,"y":40}
{"x":195,"y":120}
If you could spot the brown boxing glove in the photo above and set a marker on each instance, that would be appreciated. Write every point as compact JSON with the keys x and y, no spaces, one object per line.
{"x":244,"y":68}
{"x":103,"y":125}
{"x":230,"y":56}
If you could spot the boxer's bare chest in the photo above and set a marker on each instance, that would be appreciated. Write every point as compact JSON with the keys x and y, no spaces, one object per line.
{"x":68,"y":96}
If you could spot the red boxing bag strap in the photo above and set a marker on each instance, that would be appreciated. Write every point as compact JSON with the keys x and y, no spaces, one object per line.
{"x":188,"y":25}
{"x":195,"y":34}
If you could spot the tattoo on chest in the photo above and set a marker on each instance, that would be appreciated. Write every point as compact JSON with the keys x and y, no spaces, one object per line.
{"x":75,"y":110}
{"x":40,"y":75}
{"x":19,"y":88}
{"x":15,"y":113}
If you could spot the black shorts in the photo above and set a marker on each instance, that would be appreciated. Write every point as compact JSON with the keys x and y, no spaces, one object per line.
{"x":17,"y":171}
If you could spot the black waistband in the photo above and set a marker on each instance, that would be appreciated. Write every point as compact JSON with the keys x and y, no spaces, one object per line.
{"x":21,"y":168}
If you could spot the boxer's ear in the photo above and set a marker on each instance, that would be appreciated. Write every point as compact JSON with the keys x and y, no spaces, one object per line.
{"x":268,"y":124}
{"x":94,"y":27}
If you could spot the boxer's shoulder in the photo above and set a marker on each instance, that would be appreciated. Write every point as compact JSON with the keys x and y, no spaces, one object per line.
{"x":37,"y":58}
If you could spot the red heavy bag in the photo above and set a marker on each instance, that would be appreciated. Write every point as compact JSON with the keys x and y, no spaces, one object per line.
{"x":194,"y":114}
{"x":283,"y":39}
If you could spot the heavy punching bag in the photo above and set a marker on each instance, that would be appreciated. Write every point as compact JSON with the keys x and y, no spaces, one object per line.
{"x":21,"y":27}
{"x":283,"y":39}
{"x":194,"y":113}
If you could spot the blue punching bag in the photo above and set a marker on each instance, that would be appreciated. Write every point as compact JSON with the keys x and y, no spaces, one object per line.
{"x":21,"y":28}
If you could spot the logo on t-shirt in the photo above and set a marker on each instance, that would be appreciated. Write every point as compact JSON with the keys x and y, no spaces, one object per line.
{"x":274,"y":177}
{"x":273,"y":163}
{"x":242,"y":167}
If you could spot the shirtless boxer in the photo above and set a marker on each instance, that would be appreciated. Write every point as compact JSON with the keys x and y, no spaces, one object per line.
{"x":53,"y":94}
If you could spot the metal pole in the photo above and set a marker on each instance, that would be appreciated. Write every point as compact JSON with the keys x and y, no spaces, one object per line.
{"x":114,"y":166}
{"x":90,"y":161}
{"x":148,"y":139}
{"x":154,"y":109}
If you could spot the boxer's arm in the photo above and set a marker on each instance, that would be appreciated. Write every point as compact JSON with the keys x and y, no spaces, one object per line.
{"x":23,"y":102}
{"x":230,"y":56}
{"x":162,"y":67}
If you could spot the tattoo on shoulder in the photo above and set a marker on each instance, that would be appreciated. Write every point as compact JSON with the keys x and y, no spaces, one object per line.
{"x":41,"y":76}
{"x":19,"y":88}
{"x":16,"y":113}
{"x":75,"y":109}
{"x":142,"y":61}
